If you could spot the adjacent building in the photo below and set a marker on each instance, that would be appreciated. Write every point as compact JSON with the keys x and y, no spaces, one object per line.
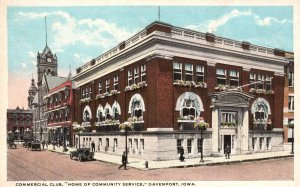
{"x":19,"y":124}
{"x":47,"y":80}
{"x":288,"y":115}
{"x":59,"y":113}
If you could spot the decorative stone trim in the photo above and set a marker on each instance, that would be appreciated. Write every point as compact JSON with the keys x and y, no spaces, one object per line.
{"x":107,"y":122}
{"x":228,"y":125}
{"x":190,"y":84}
{"x":135,"y":86}
{"x":261,"y":91}
{"x":222,"y":87}
{"x":106,"y":94}
{"x":85,"y":100}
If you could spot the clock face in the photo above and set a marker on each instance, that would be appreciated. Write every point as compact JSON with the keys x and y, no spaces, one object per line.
{"x":49,"y":59}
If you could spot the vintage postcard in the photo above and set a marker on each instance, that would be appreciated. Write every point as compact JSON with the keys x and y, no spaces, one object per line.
{"x":164,"y":94}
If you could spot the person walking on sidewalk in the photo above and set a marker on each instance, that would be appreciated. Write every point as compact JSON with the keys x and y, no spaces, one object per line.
{"x":43,"y":144}
{"x":93,"y":146}
{"x":124,"y":159}
{"x":181,"y":153}
{"x":227,"y":151}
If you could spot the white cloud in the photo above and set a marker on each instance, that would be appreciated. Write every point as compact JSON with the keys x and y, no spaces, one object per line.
{"x":24,"y":65}
{"x":32,"y":57}
{"x":81,"y":58}
{"x":91,"y":32}
{"x":214,"y":24}
{"x":267,"y":21}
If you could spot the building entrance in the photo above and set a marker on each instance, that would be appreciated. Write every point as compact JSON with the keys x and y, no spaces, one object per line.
{"x":227,"y":141}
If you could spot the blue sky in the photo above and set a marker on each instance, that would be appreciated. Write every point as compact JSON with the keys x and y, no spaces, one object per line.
{"x":78,"y":34}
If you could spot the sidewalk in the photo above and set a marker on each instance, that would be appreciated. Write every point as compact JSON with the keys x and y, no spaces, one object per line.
{"x":193,"y":162}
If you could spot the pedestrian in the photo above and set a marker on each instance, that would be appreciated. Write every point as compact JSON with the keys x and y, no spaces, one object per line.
{"x":93,"y":146}
{"x":227,"y":151}
{"x":43,"y":144}
{"x":124,"y":160}
{"x":181,"y":152}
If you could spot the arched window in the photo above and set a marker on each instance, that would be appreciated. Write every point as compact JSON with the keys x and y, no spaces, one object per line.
{"x":107,"y":111}
{"x":136,"y":106}
{"x":116,"y":110}
{"x":260,"y":110}
{"x":100,"y":114}
{"x":189,"y":105}
{"x":87,"y":115}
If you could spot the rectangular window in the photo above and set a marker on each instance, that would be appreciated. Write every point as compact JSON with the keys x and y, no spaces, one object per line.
{"x":99,"y":88}
{"x":200,"y":73}
{"x":130,"y":80}
{"x":252,"y":79}
{"x":234,"y":78}
{"x":260,"y":83}
{"x":229,"y":117}
{"x":90,"y":91}
{"x":291,"y":79}
{"x":189,"y":145}
{"x":107,"y":143}
{"x":291,"y":103}
{"x":254,"y":143}
{"x":261,"y":140}
{"x":107,"y":85}
{"x":179,"y":145}
{"x":268,"y":143}
{"x":115,"y":144}
{"x":268,"y":82}
{"x":86,"y":93}
{"x":136,"y":75}
{"x":135,"y":146}
{"x":188,"y":72}
{"x":221,"y":76}
{"x":142,"y":145}
{"x":199,"y":145}
{"x":83,"y":93}
{"x":143,"y":72}
{"x":130,"y":145}
{"x":100,"y":144}
{"x":116,"y":82}
{"x":177,"y":71}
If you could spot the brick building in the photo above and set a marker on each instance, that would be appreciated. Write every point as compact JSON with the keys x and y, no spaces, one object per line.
{"x":19,"y":123}
{"x":288,"y":110}
{"x":59,"y":110}
{"x":164,"y":77}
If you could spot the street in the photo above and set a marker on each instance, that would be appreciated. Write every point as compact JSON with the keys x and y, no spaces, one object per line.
{"x":26,"y":165}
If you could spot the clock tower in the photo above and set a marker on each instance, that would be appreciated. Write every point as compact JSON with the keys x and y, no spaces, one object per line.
{"x":46,"y":63}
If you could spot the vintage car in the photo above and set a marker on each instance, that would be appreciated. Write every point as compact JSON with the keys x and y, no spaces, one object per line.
{"x":27,"y":143}
{"x":35,"y":145}
{"x":12,"y":145}
{"x":82,"y":154}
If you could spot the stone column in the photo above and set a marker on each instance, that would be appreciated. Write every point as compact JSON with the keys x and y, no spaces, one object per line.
{"x":245,"y":131}
{"x":215,"y":130}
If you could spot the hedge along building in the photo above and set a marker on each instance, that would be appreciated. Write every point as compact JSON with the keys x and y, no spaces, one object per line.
{"x":165,"y":76}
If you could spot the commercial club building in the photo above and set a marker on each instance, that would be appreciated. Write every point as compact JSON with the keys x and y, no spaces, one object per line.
{"x":165,"y":76}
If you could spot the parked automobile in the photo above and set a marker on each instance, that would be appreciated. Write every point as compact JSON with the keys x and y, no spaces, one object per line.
{"x":82,"y":154}
{"x":12,"y":145}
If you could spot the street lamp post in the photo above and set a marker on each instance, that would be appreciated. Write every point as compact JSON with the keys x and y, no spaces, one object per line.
{"x":201,"y":126}
{"x":126,"y":126}
{"x":291,"y":125}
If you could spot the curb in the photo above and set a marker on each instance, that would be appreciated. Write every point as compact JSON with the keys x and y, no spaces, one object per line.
{"x":228,"y":162}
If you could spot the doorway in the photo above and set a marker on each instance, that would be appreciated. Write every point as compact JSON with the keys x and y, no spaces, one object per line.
{"x":227,"y":141}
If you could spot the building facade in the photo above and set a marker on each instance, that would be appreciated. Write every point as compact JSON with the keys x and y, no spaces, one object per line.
{"x":59,"y":112}
{"x":165,"y":77}
{"x":288,"y":115}
{"x":19,"y":124}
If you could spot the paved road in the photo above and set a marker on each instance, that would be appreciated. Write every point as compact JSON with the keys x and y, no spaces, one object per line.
{"x":25,"y":165}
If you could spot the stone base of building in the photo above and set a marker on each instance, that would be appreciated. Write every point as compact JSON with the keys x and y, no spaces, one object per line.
{"x":163,"y":145}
